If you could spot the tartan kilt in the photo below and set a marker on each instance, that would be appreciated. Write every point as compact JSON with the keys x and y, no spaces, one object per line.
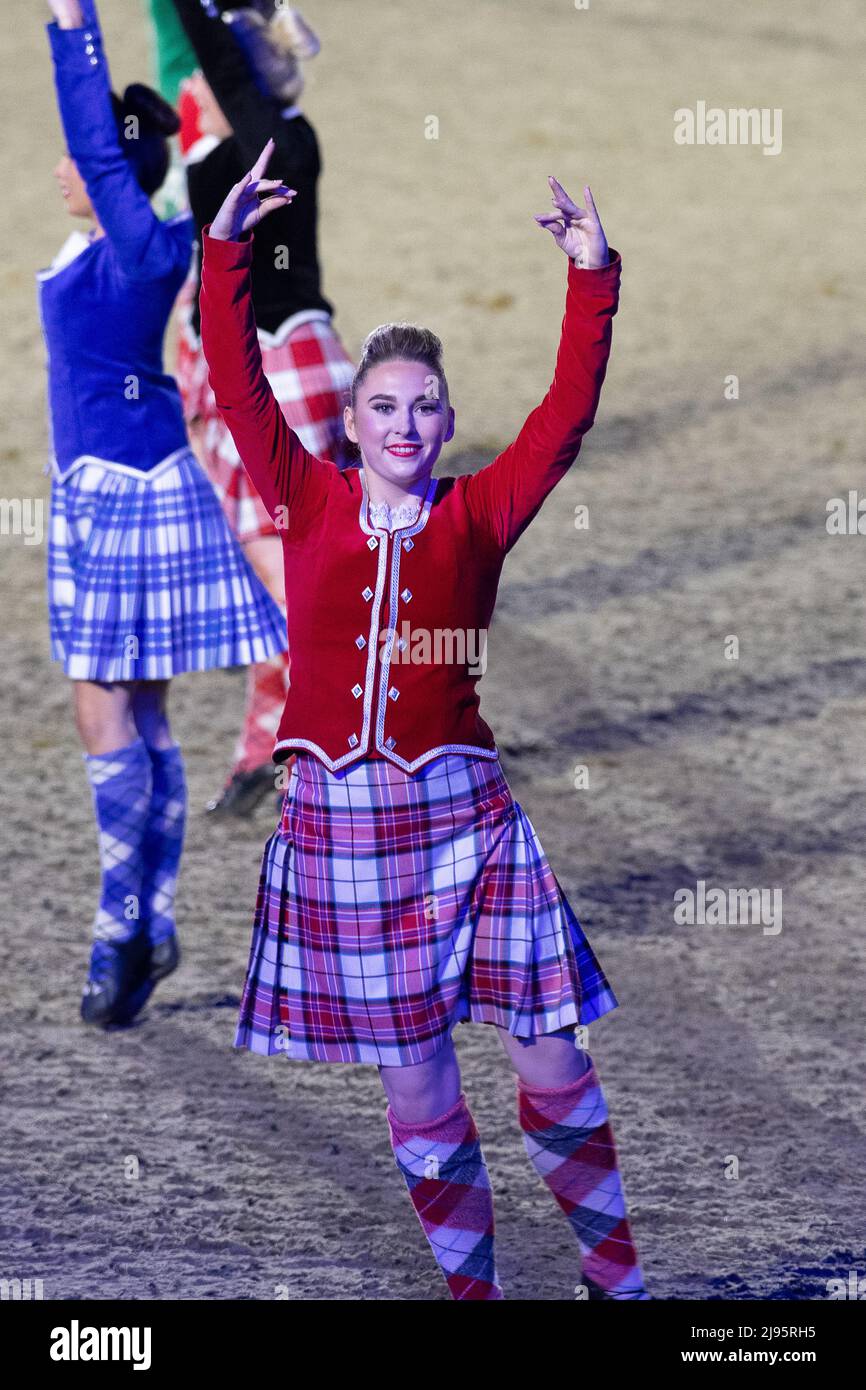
{"x":310,"y":373}
{"x":391,"y":907}
{"x":145,"y":579}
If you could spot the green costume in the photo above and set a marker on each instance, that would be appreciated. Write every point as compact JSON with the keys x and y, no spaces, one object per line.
{"x":175,"y":58}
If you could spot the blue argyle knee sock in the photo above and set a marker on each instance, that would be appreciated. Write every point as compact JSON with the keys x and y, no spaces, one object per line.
{"x":163,"y":842}
{"x":121,"y":784}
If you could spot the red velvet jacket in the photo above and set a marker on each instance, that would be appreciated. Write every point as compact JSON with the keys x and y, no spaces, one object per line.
{"x":381,"y":626}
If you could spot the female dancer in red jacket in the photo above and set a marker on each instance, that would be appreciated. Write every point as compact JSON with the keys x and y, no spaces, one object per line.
{"x":404,"y":889}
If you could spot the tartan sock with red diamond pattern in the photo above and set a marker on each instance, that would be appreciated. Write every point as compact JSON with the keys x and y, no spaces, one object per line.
{"x":448,"y":1182}
{"x":569,"y":1140}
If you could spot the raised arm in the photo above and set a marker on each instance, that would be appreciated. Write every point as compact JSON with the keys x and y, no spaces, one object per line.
{"x":253,"y":115}
{"x":286,"y":475}
{"x":143,"y":246}
{"x":173,"y":53}
{"x":219,"y":56}
{"x":507,"y":493}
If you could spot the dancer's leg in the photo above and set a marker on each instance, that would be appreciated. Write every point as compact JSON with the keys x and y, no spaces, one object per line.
{"x":119,"y":769}
{"x":424,"y":1091}
{"x":267,"y":688}
{"x":163,"y":842}
{"x":103,"y":715}
{"x":438,"y":1151}
{"x":567,"y":1134}
{"x":150,"y":712}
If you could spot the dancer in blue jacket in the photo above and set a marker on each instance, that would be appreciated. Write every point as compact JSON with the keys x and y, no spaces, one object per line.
{"x":145,"y":578}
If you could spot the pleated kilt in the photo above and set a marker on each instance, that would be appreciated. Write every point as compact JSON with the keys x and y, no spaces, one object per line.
{"x":145,"y":579}
{"x":391,"y":907}
{"x":310,"y":373}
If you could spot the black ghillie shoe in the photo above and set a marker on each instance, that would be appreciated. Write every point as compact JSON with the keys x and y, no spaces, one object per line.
{"x":164,"y":958}
{"x":242,"y":793}
{"x":133,"y":1003}
{"x":118,"y":969}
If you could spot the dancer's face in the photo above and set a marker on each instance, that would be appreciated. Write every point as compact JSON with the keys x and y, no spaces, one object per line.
{"x":73,"y":188}
{"x":399,"y":421}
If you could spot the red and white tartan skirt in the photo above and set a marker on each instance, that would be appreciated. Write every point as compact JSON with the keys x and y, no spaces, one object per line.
{"x":392,"y":907}
{"x":310,"y":373}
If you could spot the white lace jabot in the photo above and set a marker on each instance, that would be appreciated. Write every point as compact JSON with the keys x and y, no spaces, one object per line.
{"x":384,"y":516}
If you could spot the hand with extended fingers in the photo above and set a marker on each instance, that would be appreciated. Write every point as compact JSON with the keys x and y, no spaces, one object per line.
{"x":577,"y":231}
{"x":243,"y":208}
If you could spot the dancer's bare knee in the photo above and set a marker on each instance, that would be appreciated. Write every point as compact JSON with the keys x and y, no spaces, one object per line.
{"x":425,"y":1090}
{"x":549,"y":1059}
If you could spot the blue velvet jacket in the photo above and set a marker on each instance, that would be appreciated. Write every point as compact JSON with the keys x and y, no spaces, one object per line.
{"x":104,"y":312}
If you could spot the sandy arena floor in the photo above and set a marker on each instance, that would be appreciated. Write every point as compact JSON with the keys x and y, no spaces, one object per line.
{"x":707,"y":519}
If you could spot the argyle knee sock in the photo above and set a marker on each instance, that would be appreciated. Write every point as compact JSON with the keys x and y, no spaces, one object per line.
{"x":163,"y":842}
{"x":267,"y":688}
{"x":121,"y":783}
{"x":448,"y":1182}
{"x":569,"y":1140}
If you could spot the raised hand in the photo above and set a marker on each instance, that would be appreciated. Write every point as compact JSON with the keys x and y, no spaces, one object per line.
{"x":67,"y":13}
{"x":242,"y":208}
{"x":577,"y":231}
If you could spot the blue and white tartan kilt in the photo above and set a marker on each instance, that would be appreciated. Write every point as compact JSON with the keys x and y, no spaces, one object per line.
{"x":145,"y":579}
{"x":393,"y":906}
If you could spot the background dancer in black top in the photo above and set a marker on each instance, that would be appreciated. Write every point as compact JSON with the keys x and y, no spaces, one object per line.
{"x":244,"y":99}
